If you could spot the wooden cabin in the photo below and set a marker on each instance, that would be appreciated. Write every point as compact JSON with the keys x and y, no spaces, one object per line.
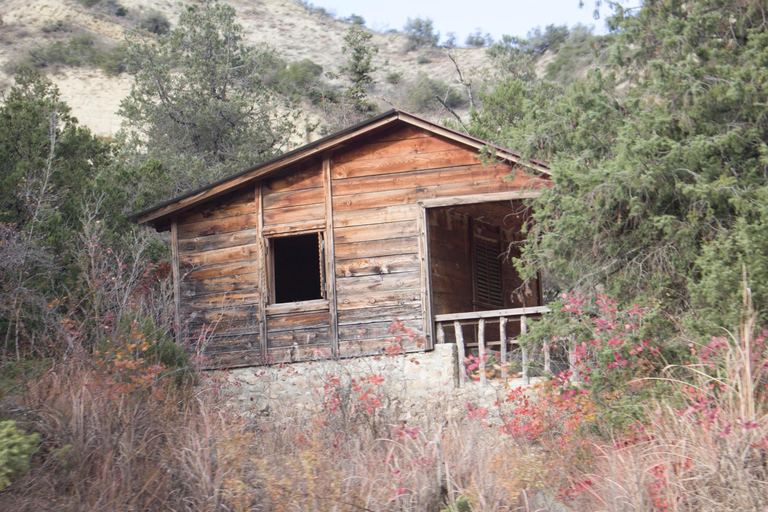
{"x":315,"y":253}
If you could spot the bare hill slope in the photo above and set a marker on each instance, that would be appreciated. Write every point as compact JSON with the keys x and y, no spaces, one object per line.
{"x":286,"y":25}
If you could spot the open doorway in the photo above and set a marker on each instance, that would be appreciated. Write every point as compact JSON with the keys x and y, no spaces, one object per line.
{"x":471,"y":248}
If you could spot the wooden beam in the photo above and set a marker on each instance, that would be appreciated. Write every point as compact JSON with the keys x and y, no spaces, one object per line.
{"x":176,"y":279}
{"x":460,"y":347}
{"x":262,"y":266}
{"x":481,"y":351}
{"x":475,"y":315}
{"x":330,"y":255}
{"x":297,"y":307}
{"x":426,"y":278}
{"x":479,"y":198}
{"x":259,"y":172}
{"x":524,"y":350}
{"x":503,"y":342}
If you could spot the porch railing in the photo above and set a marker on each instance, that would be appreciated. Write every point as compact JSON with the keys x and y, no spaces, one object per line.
{"x":480,"y":318}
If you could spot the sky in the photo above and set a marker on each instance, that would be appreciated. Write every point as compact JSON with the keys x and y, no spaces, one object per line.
{"x":497,"y":17}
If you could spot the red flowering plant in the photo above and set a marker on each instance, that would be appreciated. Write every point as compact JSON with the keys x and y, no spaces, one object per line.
{"x":617,"y":353}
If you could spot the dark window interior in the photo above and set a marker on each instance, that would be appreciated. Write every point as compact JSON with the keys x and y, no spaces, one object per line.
{"x":298,"y":267}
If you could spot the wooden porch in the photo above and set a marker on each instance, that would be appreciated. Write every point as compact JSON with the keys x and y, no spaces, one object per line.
{"x":484,"y":341}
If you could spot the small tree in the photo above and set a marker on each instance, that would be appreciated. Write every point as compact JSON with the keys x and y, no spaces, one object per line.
{"x":359,"y":69}
{"x":478,"y":39}
{"x":420,"y":33}
{"x":155,"y":22}
{"x":199,"y":102}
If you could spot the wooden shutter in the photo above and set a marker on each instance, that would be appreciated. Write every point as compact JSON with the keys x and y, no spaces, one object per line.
{"x":488,"y":284}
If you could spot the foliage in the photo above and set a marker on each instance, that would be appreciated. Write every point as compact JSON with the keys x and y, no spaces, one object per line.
{"x":297,"y":79}
{"x":395,"y":77}
{"x":199,"y":102}
{"x":359,"y":68}
{"x":422,"y":59}
{"x":551,"y":38}
{"x":580,"y":50}
{"x":620,"y":356}
{"x":16,"y":447}
{"x":420,"y":33}
{"x":155,"y":22}
{"x":356,"y":19}
{"x":82,"y":50}
{"x":48,"y":165}
{"x":425,"y":92}
{"x":652,"y":180}
{"x":478,"y":39}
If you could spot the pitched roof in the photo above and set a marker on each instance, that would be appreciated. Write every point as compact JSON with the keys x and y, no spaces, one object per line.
{"x":161,"y":213}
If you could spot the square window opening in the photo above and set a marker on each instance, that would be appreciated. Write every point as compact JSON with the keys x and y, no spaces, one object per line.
{"x":298,"y":268}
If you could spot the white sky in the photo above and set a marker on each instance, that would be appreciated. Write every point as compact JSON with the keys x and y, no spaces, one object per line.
{"x":497,"y":17}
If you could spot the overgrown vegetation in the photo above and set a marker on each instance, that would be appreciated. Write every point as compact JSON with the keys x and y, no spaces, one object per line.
{"x":80,"y":50}
{"x":420,"y":32}
{"x":200,"y":105}
{"x":652,"y":239}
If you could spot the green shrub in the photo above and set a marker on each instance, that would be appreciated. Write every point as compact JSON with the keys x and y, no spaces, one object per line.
{"x":81,"y":50}
{"x":161,"y":348}
{"x":16,"y":447}
{"x":155,"y":22}
{"x":420,"y":33}
{"x":356,"y":19}
{"x":425,"y":91}
{"x":297,"y":79}
{"x":422,"y":59}
{"x":394,"y":77}
{"x":478,"y":39}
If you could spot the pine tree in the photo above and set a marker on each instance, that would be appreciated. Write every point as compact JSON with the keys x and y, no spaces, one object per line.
{"x":199,"y":103}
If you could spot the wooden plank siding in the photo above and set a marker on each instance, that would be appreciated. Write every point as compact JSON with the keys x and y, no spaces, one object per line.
{"x":217,"y":248}
{"x":294,"y":202}
{"x":385,"y":256}
{"x":376,"y":187}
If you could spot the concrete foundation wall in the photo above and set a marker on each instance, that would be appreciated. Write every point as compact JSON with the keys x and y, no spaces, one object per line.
{"x":408,"y":383}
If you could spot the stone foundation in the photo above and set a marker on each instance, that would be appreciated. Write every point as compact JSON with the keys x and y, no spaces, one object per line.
{"x":410,"y":382}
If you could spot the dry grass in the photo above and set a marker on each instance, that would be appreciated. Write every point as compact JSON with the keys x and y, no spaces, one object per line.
{"x":162,"y":448}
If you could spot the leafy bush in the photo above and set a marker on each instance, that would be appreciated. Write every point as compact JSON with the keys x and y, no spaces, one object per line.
{"x":82,"y":50}
{"x":423,"y":95}
{"x":394,"y":78}
{"x":478,"y":39}
{"x":297,"y":78}
{"x":155,"y":22}
{"x":550,"y":39}
{"x":422,"y":59}
{"x":356,"y":19}
{"x":420,"y":33}
{"x":575,"y":52}
{"x":16,"y":447}
{"x":56,"y":26}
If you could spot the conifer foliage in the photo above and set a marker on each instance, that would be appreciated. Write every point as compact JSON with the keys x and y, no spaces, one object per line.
{"x":200,"y":102}
{"x":660,"y":162}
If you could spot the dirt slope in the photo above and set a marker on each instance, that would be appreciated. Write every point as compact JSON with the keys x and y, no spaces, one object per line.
{"x":293,"y":30}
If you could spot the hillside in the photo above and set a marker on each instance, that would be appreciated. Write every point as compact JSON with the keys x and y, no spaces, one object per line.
{"x":293,"y":30}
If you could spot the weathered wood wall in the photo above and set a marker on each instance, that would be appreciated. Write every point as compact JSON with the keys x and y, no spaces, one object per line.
{"x":377,"y":185}
{"x":373,"y":207}
{"x":294,"y":201}
{"x":218,"y":263}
